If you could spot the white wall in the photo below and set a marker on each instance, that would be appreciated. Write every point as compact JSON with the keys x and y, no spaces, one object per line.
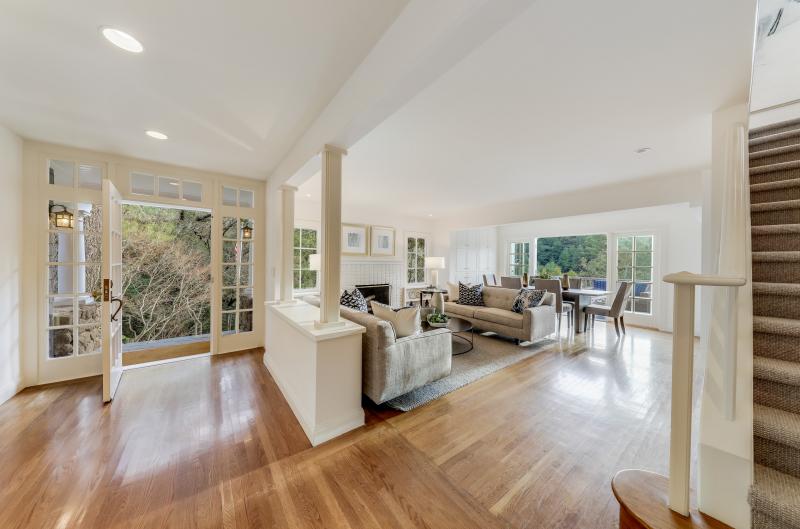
{"x":725,"y":459}
{"x":12,"y":377}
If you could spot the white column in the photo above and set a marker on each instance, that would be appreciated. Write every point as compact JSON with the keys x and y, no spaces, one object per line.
{"x":287,"y":242}
{"x":331,"y":235}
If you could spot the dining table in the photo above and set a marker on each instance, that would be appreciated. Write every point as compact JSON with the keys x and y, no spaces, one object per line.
{"x":579,"y":295}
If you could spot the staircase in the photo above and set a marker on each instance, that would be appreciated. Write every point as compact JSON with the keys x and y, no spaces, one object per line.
{"x":775,"y":219}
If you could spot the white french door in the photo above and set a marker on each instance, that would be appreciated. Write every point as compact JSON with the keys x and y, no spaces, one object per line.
{"x":636,"y":262}
{"x":112,"y":289}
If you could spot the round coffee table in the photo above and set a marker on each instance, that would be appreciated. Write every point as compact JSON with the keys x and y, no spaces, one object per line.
{"x":458,"y":325}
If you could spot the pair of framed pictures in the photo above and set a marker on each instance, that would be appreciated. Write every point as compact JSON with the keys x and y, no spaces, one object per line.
{"x":363,"y":240}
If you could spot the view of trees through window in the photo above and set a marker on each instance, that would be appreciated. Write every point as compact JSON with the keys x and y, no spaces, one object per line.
{"x":305,"y":244}
{"x":415,"y":253}
{"x":166,"y":259}
{"x":580,"y":255}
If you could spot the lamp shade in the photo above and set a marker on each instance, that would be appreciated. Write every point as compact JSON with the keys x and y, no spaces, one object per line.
{"x":315,"y":261}
{"x":434,"y":263}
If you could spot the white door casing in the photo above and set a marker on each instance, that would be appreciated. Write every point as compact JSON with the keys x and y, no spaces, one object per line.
{"x":112,"y":289}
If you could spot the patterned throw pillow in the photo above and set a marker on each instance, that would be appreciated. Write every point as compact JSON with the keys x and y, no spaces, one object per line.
{"x":353,"y":300}
{"x":528,"y":298}
{"x":470,"y":294}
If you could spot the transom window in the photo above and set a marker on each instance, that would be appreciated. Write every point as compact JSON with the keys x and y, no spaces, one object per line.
{"x":416,"y":251}
{"x":635,"y":263}
{"x":74,"y":245}
{"x":519,"y":258}
{"x":232,"y":196}
{"x":166,"y":187}
{"x":305,"y":244}
{"x":67,"y":173}
{"x":237,"y":275}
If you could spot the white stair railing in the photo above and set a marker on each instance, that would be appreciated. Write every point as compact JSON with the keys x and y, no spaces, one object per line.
{"x":682,"y":371}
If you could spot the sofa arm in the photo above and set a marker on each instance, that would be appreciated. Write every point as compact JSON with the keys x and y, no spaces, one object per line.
{"x":410,"y":362}
{"x":539,"y":322}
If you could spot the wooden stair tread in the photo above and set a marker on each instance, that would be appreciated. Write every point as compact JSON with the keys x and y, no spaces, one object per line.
{"x":642,"y":497}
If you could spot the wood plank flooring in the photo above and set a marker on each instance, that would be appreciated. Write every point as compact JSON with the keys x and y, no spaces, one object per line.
{"x":210,"y":443}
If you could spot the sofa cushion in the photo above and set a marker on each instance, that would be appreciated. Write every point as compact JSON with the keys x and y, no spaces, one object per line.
{"x":499,"y":297}
{"x":499,"y":316}
{"x":452,"y":291}
{"x":459,"y":310}
{"x":470,"y":294}
{"x":405,"y":321}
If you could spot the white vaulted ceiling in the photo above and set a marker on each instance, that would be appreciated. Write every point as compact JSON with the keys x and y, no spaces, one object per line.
{"x":557,"y":100}
{"x":233,"y":84}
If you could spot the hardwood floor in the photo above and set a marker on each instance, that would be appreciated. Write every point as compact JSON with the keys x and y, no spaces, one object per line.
{"x":210,"y":442}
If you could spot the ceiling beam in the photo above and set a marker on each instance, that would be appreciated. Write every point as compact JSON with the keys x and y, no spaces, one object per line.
{"x":425,"y":41}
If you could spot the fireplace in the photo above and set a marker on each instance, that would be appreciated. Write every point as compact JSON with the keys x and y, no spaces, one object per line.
{"x":382,"y":293}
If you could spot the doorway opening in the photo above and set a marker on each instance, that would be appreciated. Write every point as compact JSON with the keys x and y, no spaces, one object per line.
{"x":166,"y":282}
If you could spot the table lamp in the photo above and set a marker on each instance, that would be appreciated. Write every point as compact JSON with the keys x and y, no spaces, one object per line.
{"x":434,"y":264}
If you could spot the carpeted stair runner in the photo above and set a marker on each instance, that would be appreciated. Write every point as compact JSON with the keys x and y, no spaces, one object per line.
{"x":775,"y":219}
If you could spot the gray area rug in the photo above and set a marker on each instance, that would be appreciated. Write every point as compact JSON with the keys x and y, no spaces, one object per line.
{"x":491,"y":354}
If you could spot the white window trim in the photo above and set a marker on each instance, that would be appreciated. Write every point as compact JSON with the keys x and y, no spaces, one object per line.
{"x":305,"y":225}
{"x":657,"y":304}
{"x":507,"y":254}
{"x":416,"y":235}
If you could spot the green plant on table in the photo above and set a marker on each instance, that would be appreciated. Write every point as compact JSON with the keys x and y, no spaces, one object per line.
{"x":437,"y":317}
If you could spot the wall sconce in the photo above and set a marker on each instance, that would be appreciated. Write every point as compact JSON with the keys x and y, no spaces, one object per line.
{"x":247,"y":232}
{"x":62,"y":218}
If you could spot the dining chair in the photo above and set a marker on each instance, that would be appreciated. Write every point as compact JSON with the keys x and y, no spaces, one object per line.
{"x":616,"y":310}
{"x":562,"y":307}
{"x":486,"y":282}
{"x":511,"y":282}
{"x":575,"y":282}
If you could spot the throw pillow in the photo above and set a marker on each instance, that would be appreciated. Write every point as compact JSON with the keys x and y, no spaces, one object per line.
{"x":452,"y":292}
{"x":527,"y":298}
{"x":353,"y":300}
{"x":470,"y":294}
{"x":405,"y":321}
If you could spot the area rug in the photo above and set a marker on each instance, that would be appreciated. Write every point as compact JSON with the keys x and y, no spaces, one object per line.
{"x":491,"y":354}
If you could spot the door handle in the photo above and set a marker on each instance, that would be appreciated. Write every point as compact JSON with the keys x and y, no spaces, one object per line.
{"x":119,"y":308}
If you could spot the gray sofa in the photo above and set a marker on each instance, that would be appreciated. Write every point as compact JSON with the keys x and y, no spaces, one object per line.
{"x":394,"y":366}
{"x":497,"y":316}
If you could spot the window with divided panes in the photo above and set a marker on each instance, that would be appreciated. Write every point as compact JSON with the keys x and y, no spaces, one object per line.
{"x":519,"y":258}
{"x":74,"y":246}
{"x":237,"y":275}
{"x":416,"y":248}
{"x":305,"y":244}
{"x":635,"y":264}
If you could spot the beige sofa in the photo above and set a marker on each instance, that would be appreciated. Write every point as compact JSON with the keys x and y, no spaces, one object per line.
{"x":497,"y":316}
{"x":394,"y":366}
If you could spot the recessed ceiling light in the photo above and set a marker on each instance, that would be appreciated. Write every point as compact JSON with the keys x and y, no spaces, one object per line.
{"x":155,"y":134}
{"x":430,"y":214}
{"x":119,"y":38}
{"x":642,"y":150}
{"x":308,"y":195}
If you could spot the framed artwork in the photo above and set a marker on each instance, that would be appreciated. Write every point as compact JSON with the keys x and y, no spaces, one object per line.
{"x":382,"y":241}
{"x":355,"y":239}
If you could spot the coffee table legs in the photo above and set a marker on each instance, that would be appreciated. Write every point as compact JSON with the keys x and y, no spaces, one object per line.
{"x":470,"y":341}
